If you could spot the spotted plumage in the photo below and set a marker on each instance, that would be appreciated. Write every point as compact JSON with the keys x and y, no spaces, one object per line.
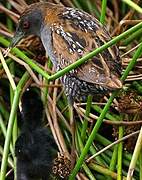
{"x":67,"y":35}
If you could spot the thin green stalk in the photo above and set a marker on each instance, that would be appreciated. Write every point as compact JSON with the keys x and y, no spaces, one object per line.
{"x":67,"y":137}
{"x":88,"y":172}
{"x":93,"y":150}
{"x":104,"y":155}
{"x":93,"y":9}
{"x":137,"y":87}
{"x":135,"y":156}
{"x":102,"y":140}
{"x":120,"y":152}
{"x":108,"y":115}
{"x":61,"y":106}
{"x":112,"y":166}
{"x":123,"y":8}
{"x":3,"y":129}
{"x":140,"y":159}
{"x":90,"y":7}
{"x":85,"y":122}
{"x":83,"y":5}
{"x":99,"y":176}
{"x":8,"y":61}
{"x":98,"y":159}
{"x":77,"y":4}
{"x":9,"y":21}
{"x":10,"y":124}
{"x":95,"y":52}
{"x":8,"y":136}
{"x":10,"y":162}
{"x":15,"y":128}
{"x":102,"y":115}
{"x":131,"y":38}
{"x":3,"y":110}
{"x":103,"y":11}
{"x":103,"y":170}
{"x":85,"y":167}
{"x":12,"y":70}
{"x":133,"y":5}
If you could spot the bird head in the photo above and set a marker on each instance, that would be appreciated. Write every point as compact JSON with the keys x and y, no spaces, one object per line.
{"x":30,"y":23}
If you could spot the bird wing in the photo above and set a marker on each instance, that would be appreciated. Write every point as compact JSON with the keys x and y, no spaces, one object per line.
{"x":72,"y":40}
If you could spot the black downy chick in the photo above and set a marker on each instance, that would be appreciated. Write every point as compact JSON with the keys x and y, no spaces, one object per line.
{"x":35,"y":149}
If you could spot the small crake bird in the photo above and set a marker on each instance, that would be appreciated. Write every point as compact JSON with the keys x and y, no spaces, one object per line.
{"x":68,"y":34}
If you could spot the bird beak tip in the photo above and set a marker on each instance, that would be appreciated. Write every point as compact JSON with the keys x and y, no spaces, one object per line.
{"x":17,"y":37}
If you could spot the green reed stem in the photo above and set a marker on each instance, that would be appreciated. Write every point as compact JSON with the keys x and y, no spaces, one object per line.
{"x":131,"y":38}
{"x":90,"y":7}
{"x":93,"y":150}
{"x":3,"y":110}
{"x":8,"y":61}
{"x":10,"y":161}
{"x":136,"y":153}
{"x":103,"y":170}
{"x":3,"y":129}
{"x":103,"y":11}
{"x":93,"y":9}
{"x":137,"y":87}
{"x":15,"y":128}
{"x":10,"y":124}
{"x":140,"y":160}
{"x":98,"y":159}
{"x":133,"y":5}
{"x":120,"y":152}
{"x":113,"y":160}
{"x":85,"y":122}
{"x":112,"y":117}
{"x":77,"y":4}
{"x":12,"y":71}
{"x":85,"y":167}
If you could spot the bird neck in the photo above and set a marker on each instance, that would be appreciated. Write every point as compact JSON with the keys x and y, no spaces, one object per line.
{"x":46,"y":38}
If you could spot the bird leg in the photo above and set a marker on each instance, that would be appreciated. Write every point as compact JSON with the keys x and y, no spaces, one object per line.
{"x":72,"y":124}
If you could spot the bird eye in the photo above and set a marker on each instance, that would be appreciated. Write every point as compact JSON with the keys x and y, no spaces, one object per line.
{"x":26,"y":25}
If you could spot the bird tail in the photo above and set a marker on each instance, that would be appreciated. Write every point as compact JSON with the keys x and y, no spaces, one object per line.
{"x":32,"y":109}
